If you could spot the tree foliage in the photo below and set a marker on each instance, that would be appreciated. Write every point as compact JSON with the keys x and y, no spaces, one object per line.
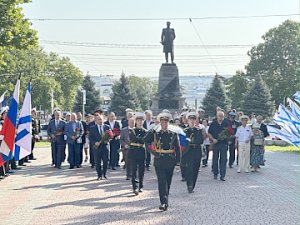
{"x":122,"y":96}
{"x":258,"y":99}
{"x":48,"y":72}
{"x":236,"y":88}
{"x":15,"y":31}
{"x":277,"y":60}
{"x":92,"y":96}
{"x":215,"y":97}
{"x":143,"y":91}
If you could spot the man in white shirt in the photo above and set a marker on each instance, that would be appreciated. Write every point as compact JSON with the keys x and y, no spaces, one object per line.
{"x":242,"y":142}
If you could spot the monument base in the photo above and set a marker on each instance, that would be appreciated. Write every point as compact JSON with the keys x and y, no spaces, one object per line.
{"x":168,"y":94}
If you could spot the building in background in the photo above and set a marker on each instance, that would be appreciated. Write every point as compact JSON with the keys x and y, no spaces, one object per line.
{"x":104,"y":83}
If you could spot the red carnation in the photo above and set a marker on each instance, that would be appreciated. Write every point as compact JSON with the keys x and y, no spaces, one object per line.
{"x":110,"y":134}
{"x":230,"y":130}
{"x":116,"y":131}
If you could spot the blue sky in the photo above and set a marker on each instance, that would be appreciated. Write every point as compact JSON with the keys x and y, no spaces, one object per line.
{"x":146,"y":61}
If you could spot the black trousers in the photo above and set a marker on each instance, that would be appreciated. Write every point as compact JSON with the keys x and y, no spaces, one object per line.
{"x":231,"y":153}
{"x":137,"y":165}
{"x":32,"y":147}
{"x":205,"y":160}
{"x":183,"y":168}
{"x":57,"y":153}
{"x":91,"y":150}
{"x":164,"y":167}
{"x":193,"y":158}
{"x":220,"y":159}
{"x":101,"y":160}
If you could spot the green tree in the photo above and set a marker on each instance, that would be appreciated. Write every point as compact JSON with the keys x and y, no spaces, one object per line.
{"x":142,"y":89}
{"x":236,"y":88}
{"x":258,"y":99}
{"x":59,"y":75}
{"x":122,"y":97}
{"x":215,"y":97}
{"x":277,"y":60}
{"x":68,"y":75}
{"x":15,"y":31}
{"x":92,"y":96}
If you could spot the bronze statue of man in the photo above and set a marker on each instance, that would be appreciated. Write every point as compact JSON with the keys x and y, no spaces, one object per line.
{"x":167,"y":38}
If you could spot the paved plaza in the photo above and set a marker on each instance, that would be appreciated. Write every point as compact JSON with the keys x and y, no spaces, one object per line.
{"x":40,"y":194}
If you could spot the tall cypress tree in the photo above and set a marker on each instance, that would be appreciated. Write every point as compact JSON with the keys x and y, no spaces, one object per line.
{"x":92,"y":96}
{"x":122,"y":97}
{"x":258,"y":99}
{"x":215,"y":97}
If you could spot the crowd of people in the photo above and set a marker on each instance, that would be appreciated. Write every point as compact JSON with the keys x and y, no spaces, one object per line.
{"x":168,"y":140}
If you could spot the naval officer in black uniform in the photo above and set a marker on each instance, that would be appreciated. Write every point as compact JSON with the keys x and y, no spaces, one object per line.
{"x":165,"y":147}
{"x":193,"y":154}
{"x":137,"y":152}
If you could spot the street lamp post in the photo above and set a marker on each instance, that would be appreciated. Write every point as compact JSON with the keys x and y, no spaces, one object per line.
{"x":83,"y":101}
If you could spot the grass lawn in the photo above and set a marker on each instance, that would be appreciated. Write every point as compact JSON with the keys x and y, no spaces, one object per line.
{"x":283,"y":148}
{"x":41,"y":144}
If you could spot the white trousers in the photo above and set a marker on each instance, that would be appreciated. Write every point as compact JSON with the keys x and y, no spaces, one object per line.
{"x":244,"y":157}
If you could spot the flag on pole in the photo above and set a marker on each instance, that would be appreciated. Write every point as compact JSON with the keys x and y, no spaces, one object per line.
{"x":297,"y":96}
{"x":9,"y":126}
{"x":23,"y":138}
{"x":2,"y":98}
{"x":294,"y":107}
{"x":283,"y":135}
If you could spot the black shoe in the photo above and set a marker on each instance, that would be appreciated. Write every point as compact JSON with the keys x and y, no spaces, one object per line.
{"x":215,"y":177}
{"x":205,"y":165}
{"x":99,"y":178}
{"x":230,"y":166}
{"x":109,"y":167}
{"x":140,"y":189}
{"x":105,"y":177}
{"x":190,"y":189}
{"x":33,"y":159}
{"x":22,"y":165}
{"x":222,"y":179}
{"x":118,"y":165}
{"x":124,"y":167}
{"x":135,"y":192}
{"x":71,"y":167}
{"x":92,"y":167}
{"x":58,"y":167}
{"x":127,"y":178}
{"x":136,"y":181}
{"x":163,"y":207}
{"x":148,"y":168}
{"x":113,"y":168}
{"x":183,"y":180}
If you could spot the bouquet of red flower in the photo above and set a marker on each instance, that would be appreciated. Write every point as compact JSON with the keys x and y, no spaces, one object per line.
{"x":116,"y":131}
{"x":105,"y":138}
{"x":227,"y":133}
{"x":58,"y":132}
{"x":77,"y":134}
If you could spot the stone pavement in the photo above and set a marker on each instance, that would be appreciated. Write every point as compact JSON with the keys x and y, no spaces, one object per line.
{"x":39,"y":194}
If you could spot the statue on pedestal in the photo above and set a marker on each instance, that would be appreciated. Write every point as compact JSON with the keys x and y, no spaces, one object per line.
{"x":167,"y":38}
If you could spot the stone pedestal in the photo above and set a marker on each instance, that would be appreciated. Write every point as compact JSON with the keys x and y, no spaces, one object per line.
{"x":168,"y":94}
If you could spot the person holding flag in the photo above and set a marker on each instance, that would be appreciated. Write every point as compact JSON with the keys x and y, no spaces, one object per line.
{"x":193,"y":152}
{"x":9,"y":128}
{"x":164,"y":145}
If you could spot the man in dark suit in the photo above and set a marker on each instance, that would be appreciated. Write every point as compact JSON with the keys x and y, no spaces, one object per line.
{"x":129,"y":114}
{"x":55,"y":131}
{"x":100,"y":146}
{"x":115,"y":142}
{"x":74,"y":131}
{"x":125,"y":144}
{"x":79,"y":119}
{"x":147,"y":124}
